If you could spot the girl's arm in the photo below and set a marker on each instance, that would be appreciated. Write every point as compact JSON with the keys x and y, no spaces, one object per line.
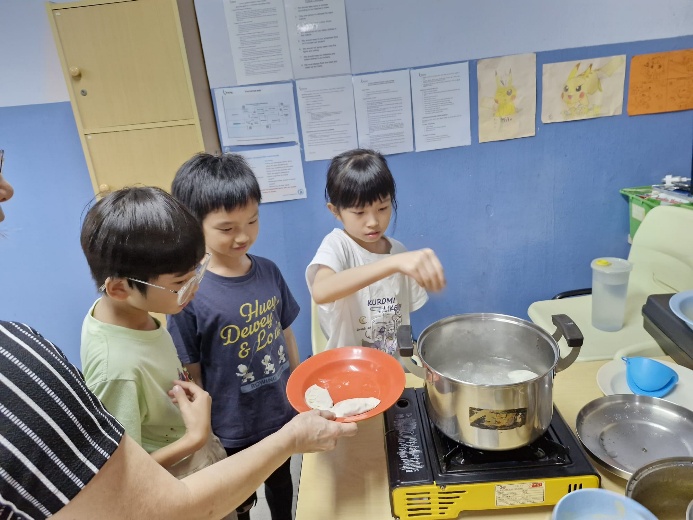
{"x":422,"y":265}
{"x":291,"y":348}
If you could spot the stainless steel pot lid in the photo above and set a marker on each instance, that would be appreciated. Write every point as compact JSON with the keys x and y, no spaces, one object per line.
{"x":624,"y":432}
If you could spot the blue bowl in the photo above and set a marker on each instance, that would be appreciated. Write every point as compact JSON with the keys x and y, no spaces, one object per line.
{"x":681,"y":304}
{"x":585,"y":504}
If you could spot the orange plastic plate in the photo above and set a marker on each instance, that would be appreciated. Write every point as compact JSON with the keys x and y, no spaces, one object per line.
{"x":349,"y":372}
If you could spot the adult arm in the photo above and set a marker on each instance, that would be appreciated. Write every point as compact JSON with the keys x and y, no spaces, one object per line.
{"x":422,"y":265}
{"x":120,"y":398}
{"x":291,"y":348}
{"x":131,"y":485}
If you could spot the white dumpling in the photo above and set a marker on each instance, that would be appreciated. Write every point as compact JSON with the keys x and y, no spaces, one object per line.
{"x":354,"y":406}
{"x":318,"y":398}
{"x":518,"y":376}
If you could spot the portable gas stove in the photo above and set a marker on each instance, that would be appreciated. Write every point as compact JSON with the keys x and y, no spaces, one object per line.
{"x":432,"y":476}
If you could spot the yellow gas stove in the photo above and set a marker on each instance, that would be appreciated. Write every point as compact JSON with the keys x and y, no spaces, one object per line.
{"x":432,"y":476}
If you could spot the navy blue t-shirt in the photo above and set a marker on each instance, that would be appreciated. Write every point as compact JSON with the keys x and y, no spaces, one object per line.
{"x":234,"y":329}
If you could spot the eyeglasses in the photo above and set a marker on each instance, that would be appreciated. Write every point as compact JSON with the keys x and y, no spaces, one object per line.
{"x":186,"y":292}
{"x":2,"y":159}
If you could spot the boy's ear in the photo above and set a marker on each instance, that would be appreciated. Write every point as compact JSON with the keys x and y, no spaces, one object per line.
{"x":117,"y":288}
{"x":333,"y":209}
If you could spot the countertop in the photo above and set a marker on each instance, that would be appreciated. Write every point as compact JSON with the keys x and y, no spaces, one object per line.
{"x":350,"y":482}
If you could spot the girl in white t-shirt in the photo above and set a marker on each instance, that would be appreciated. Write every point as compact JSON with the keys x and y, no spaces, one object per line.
{"x":366,"y":284}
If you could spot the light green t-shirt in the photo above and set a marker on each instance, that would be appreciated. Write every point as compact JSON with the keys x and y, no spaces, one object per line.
{"x":131,"y":372}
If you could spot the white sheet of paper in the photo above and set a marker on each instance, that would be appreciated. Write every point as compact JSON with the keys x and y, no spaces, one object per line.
{"x":259,"y":43}
{"x":317,"y":32}
{"x":440,"y":97}
{"x":279,"y":172}
{"x":383,"y":111}
{"x":260,"y":114}
{"x":328,"y":121}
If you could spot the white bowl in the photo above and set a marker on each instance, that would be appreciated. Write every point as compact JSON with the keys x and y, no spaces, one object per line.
{"x":681,"y":304}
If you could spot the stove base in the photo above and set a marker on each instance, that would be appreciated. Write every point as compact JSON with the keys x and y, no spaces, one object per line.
{"x":423,"y":486}
{"x":447,"y":502}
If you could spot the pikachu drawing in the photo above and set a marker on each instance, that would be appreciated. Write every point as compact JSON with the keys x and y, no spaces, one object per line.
{"x":581,"y":85}
{"x":504,"y":98}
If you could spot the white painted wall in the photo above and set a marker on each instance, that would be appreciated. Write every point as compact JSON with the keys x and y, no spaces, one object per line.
{"x":562,"y":183}
{"x":395,"y":34}
{"x":383,"y":34}
{"x":389,"y":32}
{"x":29,"y":65}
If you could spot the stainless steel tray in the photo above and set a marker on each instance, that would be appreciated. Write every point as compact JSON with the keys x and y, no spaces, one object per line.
{"x":624,"y":432}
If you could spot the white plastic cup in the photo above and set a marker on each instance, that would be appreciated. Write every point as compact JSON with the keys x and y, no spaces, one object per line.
{"x":609,"y":288}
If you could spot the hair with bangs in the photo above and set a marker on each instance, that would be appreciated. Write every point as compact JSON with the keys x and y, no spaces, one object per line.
{"x":140,"y":232}
{"x":206,"y":183}
{"x":357,"y":178}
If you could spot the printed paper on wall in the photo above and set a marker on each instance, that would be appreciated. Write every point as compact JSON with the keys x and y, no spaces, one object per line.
{"x":257,"y":114}
{"x":383,"y":111}
{"x":440,"y":102}
{"x":257,"y":30}
{"x":279,"y":172}
{"x":317,"y":31}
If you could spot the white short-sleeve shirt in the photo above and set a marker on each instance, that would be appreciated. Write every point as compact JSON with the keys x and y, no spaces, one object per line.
{"x":370,"y":317}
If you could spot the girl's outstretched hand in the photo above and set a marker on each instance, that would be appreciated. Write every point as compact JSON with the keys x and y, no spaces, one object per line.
{"x":424,"y":267}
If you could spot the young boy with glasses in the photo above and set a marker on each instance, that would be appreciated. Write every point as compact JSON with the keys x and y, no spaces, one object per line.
{"x":146,"y":254}
{"x":235,"y":338}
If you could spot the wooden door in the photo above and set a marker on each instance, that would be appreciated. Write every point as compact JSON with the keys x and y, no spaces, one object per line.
{"x":149,"y":156}
{"x":125,"y":63}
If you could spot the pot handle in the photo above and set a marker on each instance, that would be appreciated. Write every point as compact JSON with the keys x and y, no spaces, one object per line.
{"x":566,"y":327}
{"x":406,"y":352}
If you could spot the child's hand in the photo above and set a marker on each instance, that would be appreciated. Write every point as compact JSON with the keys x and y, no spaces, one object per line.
{"x":424,"y":267}
{"x":195,"y":406}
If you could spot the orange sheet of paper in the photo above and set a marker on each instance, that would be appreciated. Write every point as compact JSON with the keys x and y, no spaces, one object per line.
{"x":661,"y":82}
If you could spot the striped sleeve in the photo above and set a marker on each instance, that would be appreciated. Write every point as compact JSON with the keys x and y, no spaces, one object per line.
{"x":54,"y":433}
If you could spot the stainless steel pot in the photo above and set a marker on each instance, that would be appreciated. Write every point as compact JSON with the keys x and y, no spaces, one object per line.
{"x":489,"y":377}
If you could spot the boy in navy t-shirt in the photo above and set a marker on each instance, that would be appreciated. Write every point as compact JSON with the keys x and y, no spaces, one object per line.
{"x":235,"y":337}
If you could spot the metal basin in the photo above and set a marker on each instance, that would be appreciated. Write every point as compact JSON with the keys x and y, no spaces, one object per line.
{"x":665,"y":487}
{"x":623,"y":432}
